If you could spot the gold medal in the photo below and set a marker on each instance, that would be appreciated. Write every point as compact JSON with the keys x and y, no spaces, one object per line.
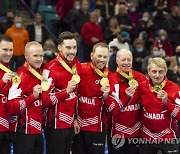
{"x":104,"y":82}
{"x":157,"y":88}
{"x":132,"y":83}
{"x":76,"y":78}
{"x":45,"y":85}
{"x":15,"y":78}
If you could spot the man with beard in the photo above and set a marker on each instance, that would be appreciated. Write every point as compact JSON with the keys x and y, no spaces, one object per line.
{"x":97,"y":90}
{"x":24,"y":103}
{"x":6,"y":52}
{"x":159,"y":109}
{"x":60,"y":99}
{"x":126,"y":123}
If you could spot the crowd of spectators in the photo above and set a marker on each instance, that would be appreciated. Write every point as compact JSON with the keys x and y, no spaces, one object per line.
{"x":147,"y":28}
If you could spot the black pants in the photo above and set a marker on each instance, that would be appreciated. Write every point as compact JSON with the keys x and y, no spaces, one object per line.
{"x":87,"y":142}
{"x":87,"y":53}
{"x":122,"y":146}
{"x":16,"y":62}
{"x":27,"y":143}
{"x":4,"y":143}
{"x":61,"y":141}
{"x":164,"y":148}
{"x":48,"y":136}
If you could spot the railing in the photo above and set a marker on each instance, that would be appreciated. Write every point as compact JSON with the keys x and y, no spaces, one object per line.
{"x":32,"y":14}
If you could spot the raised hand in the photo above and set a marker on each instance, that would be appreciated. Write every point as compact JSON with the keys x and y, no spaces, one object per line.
{"x":7,"y":77}
{"x":37,"y":90}
{"x":71,"y":86}
{"x":163,"y":96}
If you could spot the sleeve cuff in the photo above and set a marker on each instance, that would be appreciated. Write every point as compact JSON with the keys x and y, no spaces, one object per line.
{"x":62,"y":95}
{"x":2,"y":84}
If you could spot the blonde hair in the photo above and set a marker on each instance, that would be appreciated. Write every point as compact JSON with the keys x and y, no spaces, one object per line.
{"x":30,"y":44}
{"x":158,"y":61}
{"x":100,"y":44}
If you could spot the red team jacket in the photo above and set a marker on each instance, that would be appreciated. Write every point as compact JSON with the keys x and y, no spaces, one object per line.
{"x":60,"y":109}
{"x":26,"y":111}
{"x":4,"y":116}
{"x":127,"y":123}
{"x":156,"y":117}
{"x":90,"y":102}
{"x":177,"y":101}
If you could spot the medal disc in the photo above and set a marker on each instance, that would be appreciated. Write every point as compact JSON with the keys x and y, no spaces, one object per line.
{"x":16,"y":79}
{"x":76,"y":78}
{"x":132,"y":83}
{"x":157,"y":88}
{"x":104,"y":82}
{"x":45,"y":85}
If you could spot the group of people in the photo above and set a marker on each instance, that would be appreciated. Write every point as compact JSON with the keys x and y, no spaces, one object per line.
{"x":79,"y":104}
{"x":13,"y":26}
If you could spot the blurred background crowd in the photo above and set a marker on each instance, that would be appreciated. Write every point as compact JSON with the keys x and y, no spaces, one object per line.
{"x":148,"y":28}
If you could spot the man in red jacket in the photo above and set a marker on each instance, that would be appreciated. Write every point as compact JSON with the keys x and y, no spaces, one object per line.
{"x":91,"y":33}
{"x":24,"y":103}
{"x":97,"y":90}
{"x":61,"y":98}
{"x":126,"y":123}
{"x":6,"y":52}
{"x":159,"y":109}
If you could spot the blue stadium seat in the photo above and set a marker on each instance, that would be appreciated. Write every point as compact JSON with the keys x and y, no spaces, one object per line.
{"x":43,"y":9}
{"x":51,"y":19}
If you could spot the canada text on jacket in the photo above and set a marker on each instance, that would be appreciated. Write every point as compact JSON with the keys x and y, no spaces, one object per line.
{"x":87,"y":100}
{"x":155,"y":116}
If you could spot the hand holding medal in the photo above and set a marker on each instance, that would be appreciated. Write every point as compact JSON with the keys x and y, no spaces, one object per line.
{"x":130,"y":91}
{"x":132,"y":82}
{"x":158,"y":87}
{"x":163,"y":96}
{"x":44,"y":82}
{"x":37,"y":90}
{"x":15,"y":78}
{"x":7,"y":77}
{"x":105,"y":90}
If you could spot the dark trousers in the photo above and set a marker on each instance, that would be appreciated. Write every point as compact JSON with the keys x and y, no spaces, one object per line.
{"x":16,"y":62}
{"x":87,"y":53}
{"x":87,"y":142}
{"x":4,"y":143}
{"x":164,"y":148}
{"x":121,"y":146}
{"x":48,"y":137}
{"x":27,"y":143}
{"x":61,"y":141}
{"x":80,"y":51}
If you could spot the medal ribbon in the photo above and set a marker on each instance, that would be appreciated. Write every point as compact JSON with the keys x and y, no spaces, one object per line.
{"x":99,"y":72}
{"x":7,"y":70}
{"x":62,"y":62}
{"x":4,"y":68}
{"x":158,"y":86}
{"x":34,"y":72}
{"x":130,"y":76}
